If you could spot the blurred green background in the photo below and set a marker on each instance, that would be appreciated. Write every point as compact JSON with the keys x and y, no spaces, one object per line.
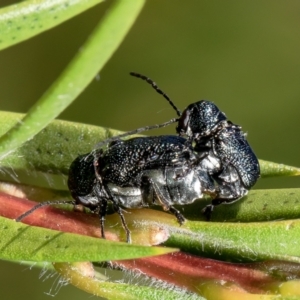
{"x":243,"y":55}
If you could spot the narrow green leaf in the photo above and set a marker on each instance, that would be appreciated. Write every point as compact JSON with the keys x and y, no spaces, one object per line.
{"x":63,"y":218}
{"x":253,"y":241}
{"x":240,"y":241}
{"x":118,"y":291}
{"x":55,"y":147}
{"x":272,"y":169}
{"x":290,"y":288}
{"x":212,"y":290}
{"x":34,"y":193}
{"x":23,"y":242}
{"x":258,"y":205}
{"x":97,"y":50}
{"x":19,"y":22}
{"x":44,"y":265}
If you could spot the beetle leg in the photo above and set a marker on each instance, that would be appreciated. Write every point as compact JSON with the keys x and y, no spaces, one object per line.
{"x":102,"y":214}
{"x":180,"y":218}
{"x":118,"y":210}
{"x":163,"y":196}
{"x":124,"y":224}
{"x":208,"y":209}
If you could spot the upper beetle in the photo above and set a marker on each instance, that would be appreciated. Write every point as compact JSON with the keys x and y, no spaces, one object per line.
{"x":217,"y":138}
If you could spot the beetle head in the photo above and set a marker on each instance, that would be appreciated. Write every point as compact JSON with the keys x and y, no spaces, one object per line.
{"x":199,"y":119}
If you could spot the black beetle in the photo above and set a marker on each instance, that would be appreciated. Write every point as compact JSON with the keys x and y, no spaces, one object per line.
{"x":219,"y":139}
{"x":166,"y":170}
{"x":139,"y":172}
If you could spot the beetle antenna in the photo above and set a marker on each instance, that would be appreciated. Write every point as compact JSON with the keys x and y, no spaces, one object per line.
{"x":136,"y":131}
{"x":47,"y":203}
{"x":154,"y":85}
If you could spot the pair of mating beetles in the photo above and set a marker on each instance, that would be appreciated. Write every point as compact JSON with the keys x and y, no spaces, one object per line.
{"x":210,"y":156}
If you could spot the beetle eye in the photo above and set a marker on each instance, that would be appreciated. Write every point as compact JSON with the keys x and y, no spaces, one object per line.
{"x":183,"y":122}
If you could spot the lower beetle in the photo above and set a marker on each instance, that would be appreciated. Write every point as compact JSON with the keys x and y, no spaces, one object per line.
{"x":139,"y":172}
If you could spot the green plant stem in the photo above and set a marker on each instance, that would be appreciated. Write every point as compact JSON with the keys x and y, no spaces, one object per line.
{"x":97,"y":50}
{"x":21,"y":21}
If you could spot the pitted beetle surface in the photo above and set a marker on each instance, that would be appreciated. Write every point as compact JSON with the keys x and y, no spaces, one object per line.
{"x":217,"y":138}
{"x":215,"y":159}
{"x":139,"y":172}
